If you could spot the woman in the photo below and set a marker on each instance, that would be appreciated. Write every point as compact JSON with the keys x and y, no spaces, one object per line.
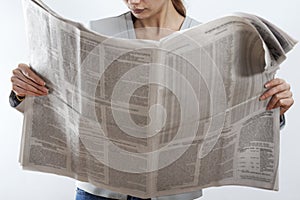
{"x":150,"y":19}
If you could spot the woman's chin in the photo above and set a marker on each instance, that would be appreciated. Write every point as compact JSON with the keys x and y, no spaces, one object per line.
{"x":140,"y":14}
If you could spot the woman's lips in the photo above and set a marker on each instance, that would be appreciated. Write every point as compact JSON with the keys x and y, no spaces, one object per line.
{"x":137,"y":11}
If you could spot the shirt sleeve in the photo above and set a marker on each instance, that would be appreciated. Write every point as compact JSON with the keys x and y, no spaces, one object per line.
{"x":13,"y":100}
{"x":282,"y":121}
{"x":16,"y":102}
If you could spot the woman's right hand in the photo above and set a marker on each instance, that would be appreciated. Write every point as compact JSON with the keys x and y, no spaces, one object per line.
{"x":27,"y":83}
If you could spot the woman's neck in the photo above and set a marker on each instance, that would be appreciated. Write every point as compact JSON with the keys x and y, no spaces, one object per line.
{"x":165,"y":22}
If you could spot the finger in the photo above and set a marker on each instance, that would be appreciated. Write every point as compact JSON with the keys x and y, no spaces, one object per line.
{"x":22,"y":92}
{"x":24,"y":89}
{"x":30,"y":74}
{"x":274,"y":90}
{"x":274,"y":82}
{"x":19,"y":75}
{"x":284,"y":104}
{"x":276,"y":98}
{"x":28,"y":87}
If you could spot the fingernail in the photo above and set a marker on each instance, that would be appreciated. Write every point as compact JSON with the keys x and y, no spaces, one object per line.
{"x":45,"y":90}
{"x":266,"y":85}
{"x":261,"y":97}
{"x":42,"y":83}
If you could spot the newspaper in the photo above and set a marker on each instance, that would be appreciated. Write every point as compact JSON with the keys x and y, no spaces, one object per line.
{"x":153,"y":118}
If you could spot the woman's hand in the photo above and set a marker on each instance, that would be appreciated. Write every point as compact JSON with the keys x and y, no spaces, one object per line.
{"x":26,"y":82}
{"x":281,"y":94}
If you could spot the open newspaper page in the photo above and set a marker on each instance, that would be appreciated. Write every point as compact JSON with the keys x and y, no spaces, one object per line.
{"x":227,"y":62}
{"x":151,"y":118}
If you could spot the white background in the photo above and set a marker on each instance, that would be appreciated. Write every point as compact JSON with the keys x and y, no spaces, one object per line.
{"x":18,"y":184}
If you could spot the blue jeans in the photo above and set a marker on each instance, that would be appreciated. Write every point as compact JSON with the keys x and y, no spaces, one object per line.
{"x":83,"y":195}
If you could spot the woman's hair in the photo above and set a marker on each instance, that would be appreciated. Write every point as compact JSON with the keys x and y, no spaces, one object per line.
{"x":178,"y":4}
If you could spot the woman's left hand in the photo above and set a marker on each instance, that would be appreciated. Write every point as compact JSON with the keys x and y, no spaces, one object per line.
{"x":281,"y":94}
